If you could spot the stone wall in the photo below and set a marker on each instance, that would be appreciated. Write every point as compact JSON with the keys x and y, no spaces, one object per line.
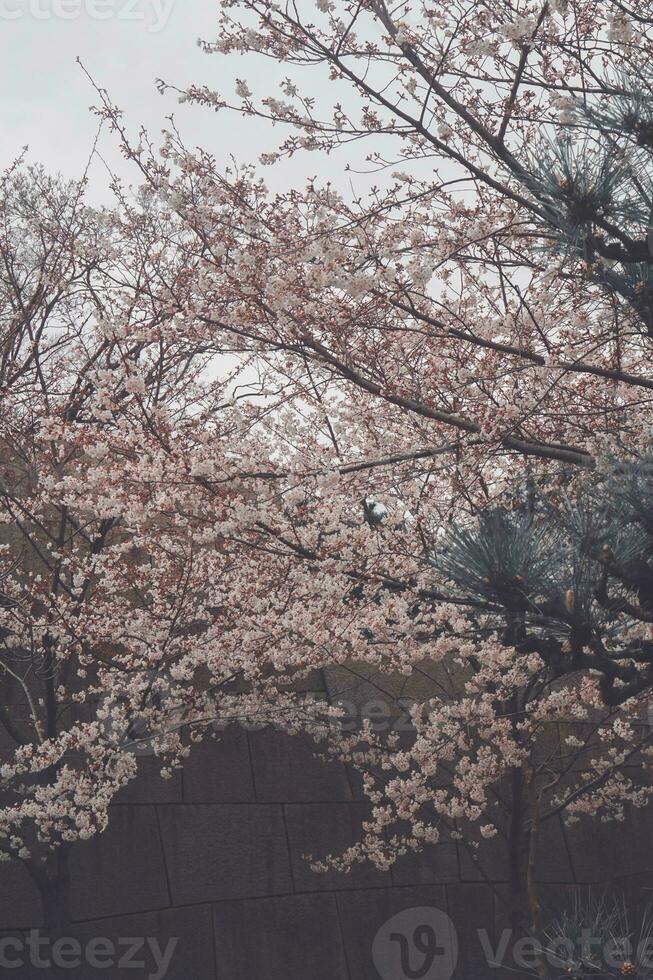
{"x":215,"y":858}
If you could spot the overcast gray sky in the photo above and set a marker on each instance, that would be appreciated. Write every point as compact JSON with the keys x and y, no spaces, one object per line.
{"x":126,"y":45}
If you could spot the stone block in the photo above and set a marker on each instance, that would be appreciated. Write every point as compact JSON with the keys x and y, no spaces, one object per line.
{"x":292,"y":938}
{"x":122,"y":870}
{"x":219,"y":771}
{"x":286,"y":770}
{"x":320,"y":829}
{"x":372,"y":939}
{"x":225,"y":851}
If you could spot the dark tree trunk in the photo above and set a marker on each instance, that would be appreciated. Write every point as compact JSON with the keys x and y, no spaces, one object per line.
{"x":525,"y":911}
{"x":517,"y":857}
{"x":55,"y":891}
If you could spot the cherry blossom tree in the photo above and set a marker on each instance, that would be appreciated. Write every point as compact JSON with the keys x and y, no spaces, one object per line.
{"x":252,"y":434}
{"x":487,"y":308}
{"x":133,"y":610}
